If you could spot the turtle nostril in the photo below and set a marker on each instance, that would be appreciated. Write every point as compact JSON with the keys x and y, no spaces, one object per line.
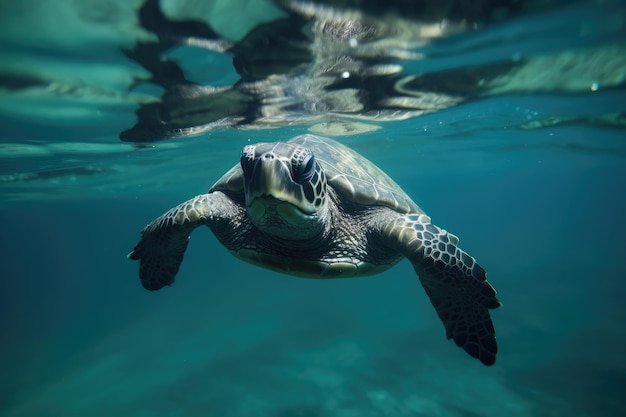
{"x":268,"y":156}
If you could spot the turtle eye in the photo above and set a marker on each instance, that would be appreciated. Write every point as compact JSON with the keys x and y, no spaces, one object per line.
{"x":247,"y":159}
{"x":303,"y":172}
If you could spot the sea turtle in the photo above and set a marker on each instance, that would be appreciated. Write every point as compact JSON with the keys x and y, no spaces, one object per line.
{"x":312,"y":207}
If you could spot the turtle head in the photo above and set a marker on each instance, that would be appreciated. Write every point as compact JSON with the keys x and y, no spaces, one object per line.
{"x":285,"y":189}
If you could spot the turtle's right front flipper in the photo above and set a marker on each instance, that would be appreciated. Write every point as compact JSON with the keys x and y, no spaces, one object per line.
{"x":164,"y":241}
{"x":456,"y":285}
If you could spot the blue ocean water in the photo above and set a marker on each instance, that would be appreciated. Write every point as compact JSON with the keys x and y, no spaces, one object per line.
{"x":531,"y":178}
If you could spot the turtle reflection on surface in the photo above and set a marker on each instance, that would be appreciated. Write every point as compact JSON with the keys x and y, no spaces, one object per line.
{"x":316,"y":65}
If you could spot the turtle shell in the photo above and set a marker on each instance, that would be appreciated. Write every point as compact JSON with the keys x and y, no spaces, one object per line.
{"x":352,"y":176}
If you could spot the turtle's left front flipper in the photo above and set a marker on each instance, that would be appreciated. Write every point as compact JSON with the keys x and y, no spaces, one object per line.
{"x":456,"y":285}
{"x":164,"y":241}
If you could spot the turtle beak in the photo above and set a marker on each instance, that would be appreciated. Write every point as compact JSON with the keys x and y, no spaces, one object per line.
{"x":271,"y":178}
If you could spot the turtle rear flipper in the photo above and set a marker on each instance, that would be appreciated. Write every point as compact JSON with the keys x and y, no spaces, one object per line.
{"x":164,"y":241}
{"x":456,"y":285}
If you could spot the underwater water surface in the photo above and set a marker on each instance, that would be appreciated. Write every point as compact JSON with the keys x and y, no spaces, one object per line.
{"x":528,"y":172}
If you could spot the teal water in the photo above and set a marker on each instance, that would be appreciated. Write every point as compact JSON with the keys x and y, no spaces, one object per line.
{"x":531,"y":178}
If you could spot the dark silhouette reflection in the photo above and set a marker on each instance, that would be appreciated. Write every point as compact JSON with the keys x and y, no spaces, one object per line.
{"x":317,"y":64}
